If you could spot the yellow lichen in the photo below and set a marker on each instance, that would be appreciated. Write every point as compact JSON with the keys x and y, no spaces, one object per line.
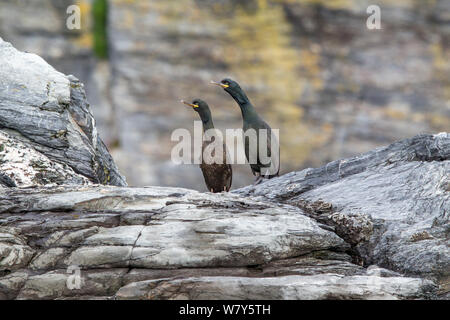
{"x":85,"y":38}
{"x":260,"y":54}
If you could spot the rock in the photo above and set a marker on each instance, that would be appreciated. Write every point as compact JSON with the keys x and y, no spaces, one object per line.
{"x":316,"y":287}
{"x":11,"y":284}
{"x":23,"y":166}
{"x":44,"y":111}
{"x":14,"y":251}
{"x":187,"y":229}
{"x":48,"y":259}
{"x":40,"y":27}
{"x":191,"y":245}
{"x":97,"y":283}
{"x":400,"y":191}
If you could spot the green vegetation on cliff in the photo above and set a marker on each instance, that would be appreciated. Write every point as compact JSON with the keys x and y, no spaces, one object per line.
{"x":99,"y":12}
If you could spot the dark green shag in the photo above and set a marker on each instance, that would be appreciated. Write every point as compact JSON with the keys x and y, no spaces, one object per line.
{"x":251,"y":120}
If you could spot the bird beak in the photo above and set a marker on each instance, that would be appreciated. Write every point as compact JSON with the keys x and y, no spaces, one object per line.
{"x":220,"y":84}
{"x":189,"y":104}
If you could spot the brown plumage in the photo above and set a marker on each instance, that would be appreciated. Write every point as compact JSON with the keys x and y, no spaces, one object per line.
{"x":218,"y":175}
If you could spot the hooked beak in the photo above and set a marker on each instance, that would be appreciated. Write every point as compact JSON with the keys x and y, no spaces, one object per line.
{"x":189,"y":104}
{"x":220,"y":84}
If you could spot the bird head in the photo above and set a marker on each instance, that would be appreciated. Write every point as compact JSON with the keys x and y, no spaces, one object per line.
{"x":233,"y":88}
{"x":228,"y":85}
{"x":197,"y":105}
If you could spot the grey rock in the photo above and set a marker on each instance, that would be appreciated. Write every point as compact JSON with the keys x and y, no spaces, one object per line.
{"x":14,"y":251}
{"x":318,"y":262}
{"x":23,"y":166}
{"x":47,"y":111}
{"x":194,"y":245}
{"x":188,"y":229}
{"x":11,"y":284}
{"x":53,"y":285}
{"x":48,"y":258}
{"x":399,"y":193}
{"x":327,"y":286}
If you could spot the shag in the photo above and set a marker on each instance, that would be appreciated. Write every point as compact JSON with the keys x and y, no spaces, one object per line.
{"x":218,"y":176}
{"x":251,"y":120}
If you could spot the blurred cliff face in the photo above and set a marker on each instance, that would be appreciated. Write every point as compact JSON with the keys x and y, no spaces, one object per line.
{"x":311,"y":67}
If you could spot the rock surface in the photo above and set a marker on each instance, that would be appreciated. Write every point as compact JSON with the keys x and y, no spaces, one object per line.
{"x":316,"y":287}
{"x":315,"y":234}
{"x":141,"y":243}
{"x":23,"y":166}
{"x":47,"y":111}
{"x":392,"y":204}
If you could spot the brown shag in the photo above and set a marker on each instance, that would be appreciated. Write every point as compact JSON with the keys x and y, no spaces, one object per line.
{"x":218,"y":175}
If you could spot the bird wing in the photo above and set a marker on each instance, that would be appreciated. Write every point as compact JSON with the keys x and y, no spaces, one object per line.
{"x":218,"y":176}
{"x":273,"y":152}
{"x":251,"y":153}
{"x":262,"y":166}
{"x":228,"y":170}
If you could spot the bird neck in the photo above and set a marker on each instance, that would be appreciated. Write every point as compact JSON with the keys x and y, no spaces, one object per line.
{"x":248,"y":112}
{"x":207,"y":121}
{"x":247,"y":109}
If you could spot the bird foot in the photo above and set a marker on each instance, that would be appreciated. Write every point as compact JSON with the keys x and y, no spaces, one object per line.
{"x":258,"y":180}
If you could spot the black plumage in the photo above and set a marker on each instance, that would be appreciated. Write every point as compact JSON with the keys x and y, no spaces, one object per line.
{"x":218,"y":176}
{"x":251,"y":120}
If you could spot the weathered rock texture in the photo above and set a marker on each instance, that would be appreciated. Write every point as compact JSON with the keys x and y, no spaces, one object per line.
{"x":44,"y":110}
{"x":154,"y":243}
{"x":23,"y":166}
{"x":315,"y":234}
{"x":391,"y":204}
